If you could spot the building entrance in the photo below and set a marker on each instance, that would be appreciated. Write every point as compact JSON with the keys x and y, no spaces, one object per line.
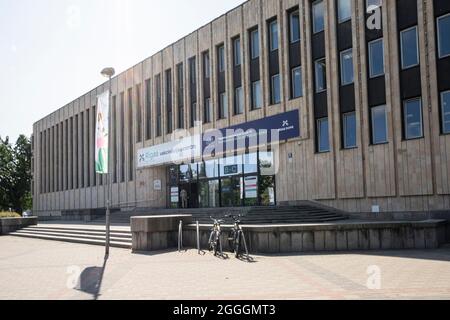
{"x":244,"y":180}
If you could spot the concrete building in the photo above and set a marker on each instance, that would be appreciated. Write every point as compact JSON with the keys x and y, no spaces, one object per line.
{"x":368,"y":91}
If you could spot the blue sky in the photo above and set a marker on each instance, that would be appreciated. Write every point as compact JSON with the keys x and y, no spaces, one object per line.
{"x":51,"y":51}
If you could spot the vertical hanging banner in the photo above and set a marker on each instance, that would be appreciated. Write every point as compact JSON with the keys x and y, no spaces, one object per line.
{"x":102,"y":134}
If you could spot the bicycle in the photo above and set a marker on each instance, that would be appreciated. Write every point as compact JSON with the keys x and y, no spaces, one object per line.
{"x":236,"y":237}
{"x":214,"y":239}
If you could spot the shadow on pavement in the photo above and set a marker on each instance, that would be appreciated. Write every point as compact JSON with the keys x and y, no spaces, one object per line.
{"x":90,"y":280}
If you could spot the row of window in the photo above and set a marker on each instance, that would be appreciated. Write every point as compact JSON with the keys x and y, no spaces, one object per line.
{"x":412,"y":124}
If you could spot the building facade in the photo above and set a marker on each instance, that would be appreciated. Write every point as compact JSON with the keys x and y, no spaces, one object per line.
{"x":367,"y":80}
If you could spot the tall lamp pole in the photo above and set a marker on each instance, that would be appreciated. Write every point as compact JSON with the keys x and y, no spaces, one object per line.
{"x":109,"y":73}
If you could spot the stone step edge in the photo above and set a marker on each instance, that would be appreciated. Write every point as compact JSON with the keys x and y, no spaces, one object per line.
{"x":70,"y":235}
{"x":80,"y":229}
{"x":79,"y":232}
{"x":115,"y":244}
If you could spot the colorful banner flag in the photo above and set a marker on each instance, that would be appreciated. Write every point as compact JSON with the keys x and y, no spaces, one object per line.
{"x":102,"y":134}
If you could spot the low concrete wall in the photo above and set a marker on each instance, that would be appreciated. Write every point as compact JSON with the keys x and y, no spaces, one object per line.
{"x":334,"y":237}
{"x":161,"y":232}
{"x":8,"y":225}
{"x":153,"y":233}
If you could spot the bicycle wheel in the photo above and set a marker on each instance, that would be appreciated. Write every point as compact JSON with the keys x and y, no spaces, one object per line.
{"x":237,"y":244}
{"x":232,"y":240}
{"x":216,"y":243}
{"x":211,"y":242}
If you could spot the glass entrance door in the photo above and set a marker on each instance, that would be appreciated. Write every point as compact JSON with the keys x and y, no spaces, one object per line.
{"x":232,"y":191}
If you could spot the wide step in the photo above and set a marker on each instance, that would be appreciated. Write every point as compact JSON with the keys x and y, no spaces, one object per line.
{"x":118,"y":238}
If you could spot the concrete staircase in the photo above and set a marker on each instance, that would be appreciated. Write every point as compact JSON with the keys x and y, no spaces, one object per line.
{"x":77,"y":234}
{"x":300,"y":214}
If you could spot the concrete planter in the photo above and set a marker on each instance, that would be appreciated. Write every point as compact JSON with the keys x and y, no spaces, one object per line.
{"x":8,"y":225}
{"x":161,"y":233}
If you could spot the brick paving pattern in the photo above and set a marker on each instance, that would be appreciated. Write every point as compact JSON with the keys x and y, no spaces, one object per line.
{"x":37,"y":269}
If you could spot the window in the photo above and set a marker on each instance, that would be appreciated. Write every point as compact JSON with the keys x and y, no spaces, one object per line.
{"x":294,"y":23}
{"x":193,"y":113}
{"x":158,"y":105}
{"x":373,"y":3}
{"x":376,"y":58}
{"x":206,"y":66}
{"x":254,"y":44}
{"x":318,"y":16}
{"x":349,"y":126}
{"x":297,"y":85}
{"x":256,"y":95}
{"x":148,"y":108}
{"x":413,"y":119}
{"x":347,"y":67}
{"x":238,"y":101}
{"x":138,"y":114}
{"x":169,"y":112}
{"x":321,"y":75}
{"x":323,"y":141}
{"x":379,"y":125}
{"x":237,"y":51}
{"x":443,"y":36}
{"x":180,"y":95}
{"x":223,"y":106}
{"x":275,"y":86}
{"x":445,"y":105}
{"x":273,"y":35}
{"x":344,"y":10}
{"x":410,"y":48}
{"x":221,"y":58}
{"x":208,"y":110}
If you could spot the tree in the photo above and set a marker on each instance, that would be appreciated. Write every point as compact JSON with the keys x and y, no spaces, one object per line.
{"x":15,"y":174}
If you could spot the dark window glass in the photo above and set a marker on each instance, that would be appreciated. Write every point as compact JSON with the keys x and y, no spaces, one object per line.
{"x":323,"y":138}
{"x":254,"y":44}
{"x":344,"y":10}
{"x":256,"y":95}
{"x":221,"y":56}
{"x":294,"y":23}
{"x":223,"y":106}
{"x":444,"y":36}
{"x":347,"y":67}
{"x":237,"y":51}
{"x":206,"y":66}
{"x":318,"y":16}
{"x":409,"y":47}
{"x":349,"y":127}
{"x":148,"y":108}
{"x":445,"y":103}
{"x":158,"y":105}
{"x":376,"y":58}
{"x":413,"y":119}
{"x":273,"y":35}
{"x":208,"y":110}
{"x":379,"y":125}
{"x":321,"y":75}
{"x":239,"y":101}
{"x":276,"y":90}
{"x":297,"y":86}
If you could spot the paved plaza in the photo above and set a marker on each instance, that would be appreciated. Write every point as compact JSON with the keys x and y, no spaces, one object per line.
{"x":39,"y":269}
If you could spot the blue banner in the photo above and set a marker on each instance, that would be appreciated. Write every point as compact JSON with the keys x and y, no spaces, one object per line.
{"x":272,"y":129}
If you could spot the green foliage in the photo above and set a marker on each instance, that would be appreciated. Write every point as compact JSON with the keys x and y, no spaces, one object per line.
{"x":15,"y":174}
{"x":9,"y":215}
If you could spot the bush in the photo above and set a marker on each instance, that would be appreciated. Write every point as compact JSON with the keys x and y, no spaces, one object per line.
{"x":9,"y":215}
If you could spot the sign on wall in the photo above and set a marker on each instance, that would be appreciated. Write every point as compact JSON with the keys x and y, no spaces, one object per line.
{"x":157,"y":185}
{"x":171,"y":152}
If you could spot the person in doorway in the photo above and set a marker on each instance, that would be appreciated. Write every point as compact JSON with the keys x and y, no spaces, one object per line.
{"x":184,"y":198}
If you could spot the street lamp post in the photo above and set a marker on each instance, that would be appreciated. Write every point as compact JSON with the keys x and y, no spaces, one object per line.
{"x":109,"y":73}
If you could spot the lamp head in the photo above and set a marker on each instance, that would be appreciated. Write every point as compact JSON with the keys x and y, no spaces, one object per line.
{"x":108,"y":72}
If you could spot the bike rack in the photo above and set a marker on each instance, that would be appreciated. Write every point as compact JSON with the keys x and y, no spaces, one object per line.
{"x":180,"y":236}
{"x":245,"y":244}
{"x":198,"y":237}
